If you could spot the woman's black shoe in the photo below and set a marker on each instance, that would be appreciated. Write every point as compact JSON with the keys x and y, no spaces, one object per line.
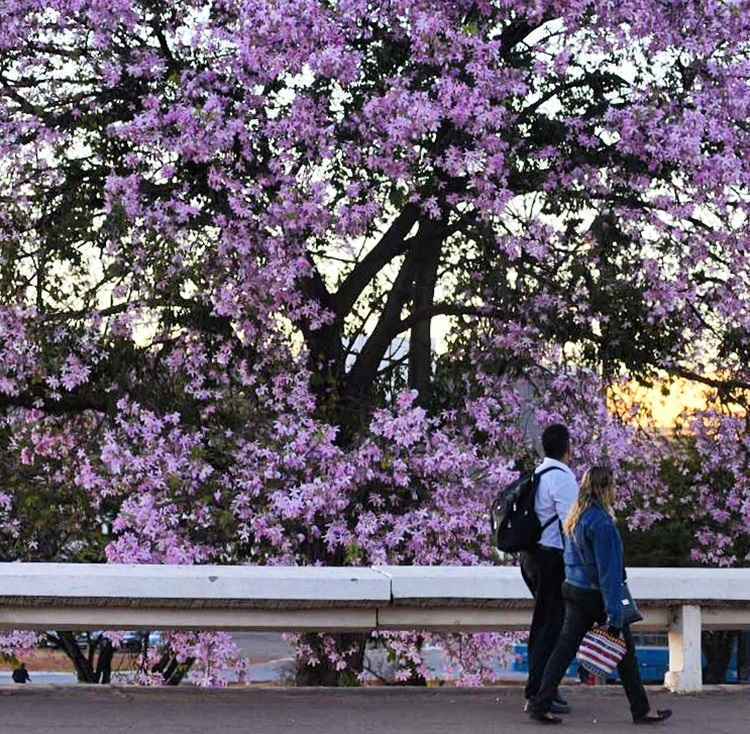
{"x":661,"y":715}
{"x":559,"y":707}
{"x":544,"y":718}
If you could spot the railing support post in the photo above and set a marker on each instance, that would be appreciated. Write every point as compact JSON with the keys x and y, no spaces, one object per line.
{"x":685,"y":673}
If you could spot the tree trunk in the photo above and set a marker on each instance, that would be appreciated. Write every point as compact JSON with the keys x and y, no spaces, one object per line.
{"x":345,"y":399}
{"x":177,"y":671}
{"x":72,"y":649}
{"x":104,"y":663}
{"x":418,"y":266}
{"x":325,"y":673}
{"x":420,"y":340}
{"x":172,"y":670}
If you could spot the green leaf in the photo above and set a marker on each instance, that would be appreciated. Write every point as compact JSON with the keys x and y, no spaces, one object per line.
{"x":471,"y":28}
{"x":353,"y":554}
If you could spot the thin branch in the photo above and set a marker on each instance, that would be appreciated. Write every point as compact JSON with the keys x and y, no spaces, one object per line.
{"x":392,"y":244}
{"x":723,"y":386}
{"x":366,"y":364}
{"x":443,"y":309}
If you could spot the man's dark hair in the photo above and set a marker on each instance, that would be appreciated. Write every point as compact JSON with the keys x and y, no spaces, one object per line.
{"x":556,"y":441}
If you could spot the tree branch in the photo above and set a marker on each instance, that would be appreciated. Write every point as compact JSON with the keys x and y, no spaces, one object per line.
{"x":325,"y":342}
{"x":724,"y":387}
{"x":365,"y":367}
{"x":392,"y":244}
{"x":428,"y":240}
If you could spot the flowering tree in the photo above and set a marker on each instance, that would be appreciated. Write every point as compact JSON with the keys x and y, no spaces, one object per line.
{"x":696,"y":511}
{"x":228,"y":229}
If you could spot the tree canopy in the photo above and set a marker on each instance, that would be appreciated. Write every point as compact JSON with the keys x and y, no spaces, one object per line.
{"x":229,"y":229}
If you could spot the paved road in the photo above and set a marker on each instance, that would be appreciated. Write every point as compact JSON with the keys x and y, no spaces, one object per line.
{"x":263,"y":646}
{"x":96,"y":710}
{"x":41,"y":678}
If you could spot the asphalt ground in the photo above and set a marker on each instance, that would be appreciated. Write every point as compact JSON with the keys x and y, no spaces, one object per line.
{"x":268,"y":710}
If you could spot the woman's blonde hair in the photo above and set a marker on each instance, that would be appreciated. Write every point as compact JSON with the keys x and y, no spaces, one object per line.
{"x":597,"y":485}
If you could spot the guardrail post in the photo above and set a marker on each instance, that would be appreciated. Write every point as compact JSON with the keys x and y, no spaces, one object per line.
{"x":685,"y":673}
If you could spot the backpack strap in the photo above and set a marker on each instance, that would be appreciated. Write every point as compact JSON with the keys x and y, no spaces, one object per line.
{"x":537,"y":477}
{"x":540,"y":474}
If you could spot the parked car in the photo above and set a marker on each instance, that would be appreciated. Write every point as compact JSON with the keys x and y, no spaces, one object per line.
{"x":131,"y":641}
{"x":652,"y":651}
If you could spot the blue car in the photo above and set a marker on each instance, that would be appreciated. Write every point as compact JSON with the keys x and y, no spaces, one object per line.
{"x":652,"y":651}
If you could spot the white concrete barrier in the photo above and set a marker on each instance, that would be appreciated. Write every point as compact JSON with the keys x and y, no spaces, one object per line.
{"x":681,"y":601}
{"x":685,"y":672}
{"x":110,"y":596}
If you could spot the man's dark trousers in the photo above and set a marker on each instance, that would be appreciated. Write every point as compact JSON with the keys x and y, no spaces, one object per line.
{"x":543,"y":571}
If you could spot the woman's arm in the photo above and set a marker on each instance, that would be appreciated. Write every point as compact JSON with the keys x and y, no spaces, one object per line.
{"x":608,"y":554}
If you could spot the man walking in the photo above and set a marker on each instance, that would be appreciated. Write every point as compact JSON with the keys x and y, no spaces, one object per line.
{"x":543,"y":569}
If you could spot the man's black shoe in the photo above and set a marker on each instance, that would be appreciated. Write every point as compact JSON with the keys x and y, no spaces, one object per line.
{"x":661,"y":715}
{"x":544,"y":718}
{"x":559,"y":706}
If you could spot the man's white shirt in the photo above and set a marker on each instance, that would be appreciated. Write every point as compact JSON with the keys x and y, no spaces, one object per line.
{"x":556,"y":494}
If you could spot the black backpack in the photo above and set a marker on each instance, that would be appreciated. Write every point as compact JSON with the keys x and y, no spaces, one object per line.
{"x":514,"y":522}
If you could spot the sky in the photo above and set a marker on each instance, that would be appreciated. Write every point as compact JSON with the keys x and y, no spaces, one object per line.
{"x":666,"y":408}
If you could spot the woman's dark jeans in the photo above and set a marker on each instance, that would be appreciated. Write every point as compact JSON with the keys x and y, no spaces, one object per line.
{"x":583,"y":609}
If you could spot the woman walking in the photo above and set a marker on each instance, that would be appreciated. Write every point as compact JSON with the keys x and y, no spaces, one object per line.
{"x":594,"y":576}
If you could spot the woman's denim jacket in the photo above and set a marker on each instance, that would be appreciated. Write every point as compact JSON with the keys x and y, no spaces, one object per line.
{"x":594,"y":560}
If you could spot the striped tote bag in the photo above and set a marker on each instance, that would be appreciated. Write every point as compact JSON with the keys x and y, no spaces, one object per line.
{"x":600,"y":652}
